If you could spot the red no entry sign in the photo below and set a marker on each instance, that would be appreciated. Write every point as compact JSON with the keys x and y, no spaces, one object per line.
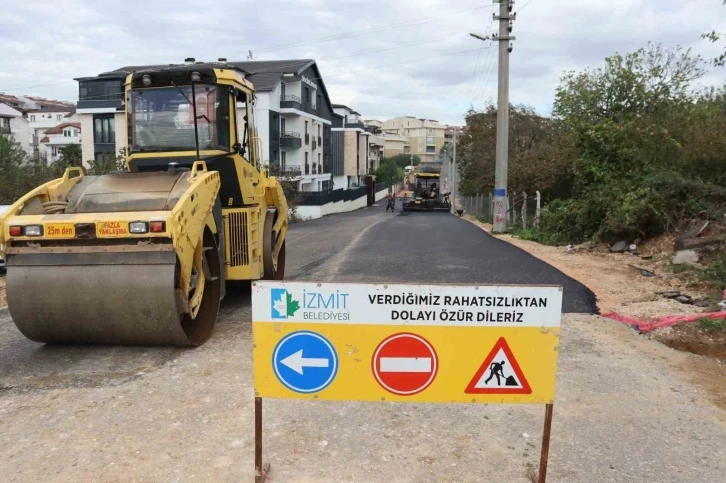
{"x":405,"y":364}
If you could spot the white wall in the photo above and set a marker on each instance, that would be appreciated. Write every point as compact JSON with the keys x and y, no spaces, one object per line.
{"x":86,"y":138}
{"x":340,"y":182}
{"x":20,"y":132}
{"x":314,"y":212}
{"x":120,"y":130}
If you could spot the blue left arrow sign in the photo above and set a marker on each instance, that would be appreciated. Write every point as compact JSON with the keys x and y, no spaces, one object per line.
{"x":305,"y":362}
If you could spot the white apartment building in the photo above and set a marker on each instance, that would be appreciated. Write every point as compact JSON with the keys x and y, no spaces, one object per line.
{"x":41,"y":114}
{"x":59,"y":137}
{"x":13,"y":124}
{"x":424,"y":137}
{"x":350,"y":147}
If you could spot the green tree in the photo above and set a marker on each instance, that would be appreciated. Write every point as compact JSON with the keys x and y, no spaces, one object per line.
{"x":403,"y":160}
{"x":389,"y":171}
{"x":713,"y":36}
{"x":539,"y":156}
{"x":642,"y":139}
{"x":12,"y":158}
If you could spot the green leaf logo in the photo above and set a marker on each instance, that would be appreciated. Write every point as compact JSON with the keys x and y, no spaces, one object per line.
{"x":292,"y":305}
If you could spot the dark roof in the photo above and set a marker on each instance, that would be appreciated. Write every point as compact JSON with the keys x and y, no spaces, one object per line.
{"x":264,"y":74}
{"x":71,"y":112}
{"x":352,"y":111}
{"x":59,"y":128}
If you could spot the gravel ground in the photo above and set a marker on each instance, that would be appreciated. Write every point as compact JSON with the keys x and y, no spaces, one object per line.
{"x":627,"y":408}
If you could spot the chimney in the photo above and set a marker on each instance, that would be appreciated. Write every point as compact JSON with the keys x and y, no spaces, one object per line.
{"x":189,"y":60}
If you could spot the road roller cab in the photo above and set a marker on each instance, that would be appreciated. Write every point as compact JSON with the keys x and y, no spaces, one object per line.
{"x":141,"y":256}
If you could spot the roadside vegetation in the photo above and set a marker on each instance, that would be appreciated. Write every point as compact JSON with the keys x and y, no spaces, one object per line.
{"x":632,"y":149}
{"x":20,"y":173}
{"x":391,"y":170}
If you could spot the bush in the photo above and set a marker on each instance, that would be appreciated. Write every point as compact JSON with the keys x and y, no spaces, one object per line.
{"x":538,"y":236}
{"x":715,"y":273}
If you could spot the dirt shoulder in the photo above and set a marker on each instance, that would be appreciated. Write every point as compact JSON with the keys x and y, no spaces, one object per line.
{"x":623,"y":289}
{"x":618,"y":286}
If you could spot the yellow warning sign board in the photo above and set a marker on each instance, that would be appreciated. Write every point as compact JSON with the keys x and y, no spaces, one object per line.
{"x":416,"y":343}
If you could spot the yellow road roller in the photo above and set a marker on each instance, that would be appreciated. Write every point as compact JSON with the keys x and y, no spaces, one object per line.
{"x":140,"y":257}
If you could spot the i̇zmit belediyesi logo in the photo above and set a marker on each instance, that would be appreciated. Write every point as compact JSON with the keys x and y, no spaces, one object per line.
{"x":282,"y":304}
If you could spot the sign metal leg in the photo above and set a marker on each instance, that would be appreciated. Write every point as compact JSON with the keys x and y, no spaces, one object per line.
{"x":260,"y":471}
{"x":545,"y":444}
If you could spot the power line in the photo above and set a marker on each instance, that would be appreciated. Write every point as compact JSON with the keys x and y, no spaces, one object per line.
{"x":407,"y":23}
{"x":476,"y":68}
{"x":524,"y":6}
{"x":486,"y":72}
{"x":37,"y":85}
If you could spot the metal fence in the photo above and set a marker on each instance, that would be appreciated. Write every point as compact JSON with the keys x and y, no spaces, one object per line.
{"x":522,"y":209}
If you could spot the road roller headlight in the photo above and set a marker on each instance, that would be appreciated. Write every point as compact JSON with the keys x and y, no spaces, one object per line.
{"x":138,"y":227}
{"x":33,"y":230}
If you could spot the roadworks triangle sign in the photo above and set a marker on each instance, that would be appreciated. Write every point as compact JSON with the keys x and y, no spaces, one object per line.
{"x":499,"y":373}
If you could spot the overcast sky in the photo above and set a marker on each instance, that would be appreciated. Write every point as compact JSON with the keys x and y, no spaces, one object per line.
{"x":413,"y":58}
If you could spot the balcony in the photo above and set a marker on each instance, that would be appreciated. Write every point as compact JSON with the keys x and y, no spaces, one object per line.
{"x":290,"y":102}
{"x":284,"y":171}
{"x":355,"y":125}
{"x":310,"y":108}
{"x":290,"y":139}
{"x":102,"y":92}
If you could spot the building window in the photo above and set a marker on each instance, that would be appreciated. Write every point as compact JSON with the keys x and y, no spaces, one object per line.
{"x":430,"y":140}
{"x":306,"y":127}
{"x":32,"y":118}
{"x":283,"y":159}
{"x":282,"y":90}
{"x":59,"y":117}
{"x":5,"y":122}
{"x":406,"y":149}
{"x":103,"y":130}
{"x":307,"y":166}
{"x":101,"y":90}
{"x":430,"y":149}
{"x":318,"y":104}
{"x":320,"y":166}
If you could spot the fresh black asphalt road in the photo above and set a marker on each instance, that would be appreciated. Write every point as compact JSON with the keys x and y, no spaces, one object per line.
{"x":370,"y":245}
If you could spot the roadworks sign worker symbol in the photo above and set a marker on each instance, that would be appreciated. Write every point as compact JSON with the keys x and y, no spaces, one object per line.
{"x":499,"y":373}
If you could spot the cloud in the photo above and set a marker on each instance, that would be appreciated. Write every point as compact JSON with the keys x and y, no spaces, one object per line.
{"x":409,"y":57}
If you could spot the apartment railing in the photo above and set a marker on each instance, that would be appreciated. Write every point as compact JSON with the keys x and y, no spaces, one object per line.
{"x":284,"y":171}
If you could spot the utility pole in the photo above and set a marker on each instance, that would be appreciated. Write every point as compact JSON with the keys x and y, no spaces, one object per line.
{"x":454,"y":177}
{"x":506,"y":21}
